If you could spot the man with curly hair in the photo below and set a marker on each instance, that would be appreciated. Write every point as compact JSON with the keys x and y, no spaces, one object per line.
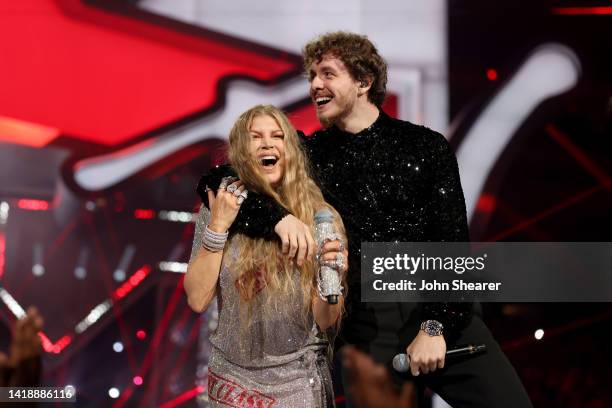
{"x":390,"y":180}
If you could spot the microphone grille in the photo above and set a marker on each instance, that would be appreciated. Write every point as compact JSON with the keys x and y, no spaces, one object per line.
{"x":401,"y":364}
{"x":324,"y":215}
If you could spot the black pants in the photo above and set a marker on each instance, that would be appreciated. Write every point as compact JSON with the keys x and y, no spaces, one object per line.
{"x":486,"y":380}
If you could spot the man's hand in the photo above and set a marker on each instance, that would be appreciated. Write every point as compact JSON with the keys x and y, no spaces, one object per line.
{"x":371,"y":384}
{"x":224,"y":207}
{"x":427,"y":353}
{"x":296,"y":239}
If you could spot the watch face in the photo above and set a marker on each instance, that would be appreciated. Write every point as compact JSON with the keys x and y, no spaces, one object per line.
{"x":432,"y":328}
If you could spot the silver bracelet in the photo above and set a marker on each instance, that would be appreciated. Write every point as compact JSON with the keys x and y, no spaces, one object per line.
{"x":214,"y":241}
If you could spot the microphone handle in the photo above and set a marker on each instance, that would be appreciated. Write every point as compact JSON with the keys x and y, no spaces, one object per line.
{"x":469,"y":349}
{"x":328,"y":280}
{"x":401,"y":361}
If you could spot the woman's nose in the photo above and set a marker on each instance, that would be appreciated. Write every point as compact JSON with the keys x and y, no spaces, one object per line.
{"x":266,"y":142}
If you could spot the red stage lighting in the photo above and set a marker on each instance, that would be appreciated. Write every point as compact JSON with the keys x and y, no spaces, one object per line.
{"x":486,"y":203}
{"x":33,"y":205}
{"x":23,"y":132}
{"x":134,"y":280}
{"x":578,"y":11}
{"x":491,"y":74}
{"x":144,"y":214}
{"x":2,"y":253}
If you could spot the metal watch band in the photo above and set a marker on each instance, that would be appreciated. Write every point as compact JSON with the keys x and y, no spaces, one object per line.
{"x":432,"y":327}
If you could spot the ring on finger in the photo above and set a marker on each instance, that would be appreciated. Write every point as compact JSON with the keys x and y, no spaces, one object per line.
{"x":337,"y":237}
{"x":225,"y":181}
{"x":340,"y":260}
{"x":231,"y":188}
{"x":237,"y":192}
{"x":331,"y":263}
{"x":242,"y":196}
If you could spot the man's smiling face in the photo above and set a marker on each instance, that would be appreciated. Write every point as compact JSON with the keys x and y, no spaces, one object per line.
{"x":332,"y":88}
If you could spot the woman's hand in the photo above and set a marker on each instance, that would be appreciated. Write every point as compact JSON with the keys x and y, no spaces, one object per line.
{"x":224,"y":206}
{"x":335,"y":255}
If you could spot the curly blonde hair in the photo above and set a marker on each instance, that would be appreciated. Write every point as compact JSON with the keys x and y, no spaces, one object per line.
{"x":298,"y":193}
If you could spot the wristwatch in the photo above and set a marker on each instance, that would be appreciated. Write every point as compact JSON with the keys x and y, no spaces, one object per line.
{"x":432,"y":327}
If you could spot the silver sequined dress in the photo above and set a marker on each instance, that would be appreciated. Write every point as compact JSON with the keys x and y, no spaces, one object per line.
{"x":274,"y":362}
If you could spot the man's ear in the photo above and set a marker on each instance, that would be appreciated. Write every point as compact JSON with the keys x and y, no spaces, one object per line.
{"x":364,"y":85}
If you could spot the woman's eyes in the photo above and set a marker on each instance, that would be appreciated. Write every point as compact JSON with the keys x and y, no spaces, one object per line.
{"x":276,"y":136}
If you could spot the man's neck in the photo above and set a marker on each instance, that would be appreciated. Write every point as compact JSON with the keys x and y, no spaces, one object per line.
{"x":360,"y":117}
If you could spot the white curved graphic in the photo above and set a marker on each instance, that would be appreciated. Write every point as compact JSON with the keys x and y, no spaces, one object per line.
{"x":550,"y":70}
{"x":101,"y":172}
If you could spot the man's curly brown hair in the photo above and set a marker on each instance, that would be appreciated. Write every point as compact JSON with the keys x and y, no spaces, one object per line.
{"x":358,"y":54}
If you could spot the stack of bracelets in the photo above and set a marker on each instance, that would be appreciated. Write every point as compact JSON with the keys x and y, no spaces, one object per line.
{"x":214,"y":241}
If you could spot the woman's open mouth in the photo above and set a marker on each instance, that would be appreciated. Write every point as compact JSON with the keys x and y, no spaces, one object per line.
{"x":268,"y":161}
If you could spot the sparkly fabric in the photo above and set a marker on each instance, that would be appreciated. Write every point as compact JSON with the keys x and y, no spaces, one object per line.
{"x":250,"y":223}
{"x":393,"y":181}
{"x":277,"y":360}
{"x":198,"y":234}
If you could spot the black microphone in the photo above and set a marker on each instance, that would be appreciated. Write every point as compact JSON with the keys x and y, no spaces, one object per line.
{"x":401,"y":362}
{"x":328,"y":280}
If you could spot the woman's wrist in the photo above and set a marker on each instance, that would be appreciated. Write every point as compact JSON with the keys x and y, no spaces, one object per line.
{"x":217,"y":227}
{"x":214,"y":241}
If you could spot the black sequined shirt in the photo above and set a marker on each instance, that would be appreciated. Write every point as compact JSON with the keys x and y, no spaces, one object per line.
{"x":393,"y":181}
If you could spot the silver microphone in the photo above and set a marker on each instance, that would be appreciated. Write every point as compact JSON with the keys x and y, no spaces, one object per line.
{"x":401,"y":362}
{"x":328,"y":279}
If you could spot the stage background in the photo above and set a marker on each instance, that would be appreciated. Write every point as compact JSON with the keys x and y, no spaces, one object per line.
{"x":111,"y":110}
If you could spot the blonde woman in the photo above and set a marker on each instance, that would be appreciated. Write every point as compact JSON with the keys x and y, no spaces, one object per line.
{"x":270,"y":347}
